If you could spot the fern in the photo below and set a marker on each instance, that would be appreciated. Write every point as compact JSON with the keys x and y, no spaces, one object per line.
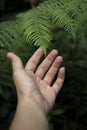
{"x":38,"y":23}
{"x":36,"y":28}
{"x":8,"y":34}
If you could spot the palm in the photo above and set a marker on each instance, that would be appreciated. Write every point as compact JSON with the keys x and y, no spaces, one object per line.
{"x":48,"y":94}
{"x":44,"y":93}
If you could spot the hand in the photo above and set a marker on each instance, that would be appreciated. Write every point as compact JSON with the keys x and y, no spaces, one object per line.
{"x":34,"y":82}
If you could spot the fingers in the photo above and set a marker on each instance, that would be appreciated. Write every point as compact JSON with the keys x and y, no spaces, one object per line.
{"x":44,"y":66}
{"x":34,"y":60}
{"x":15,"y":60}
{"x":49,"y":77}
{"x":60,"y":79}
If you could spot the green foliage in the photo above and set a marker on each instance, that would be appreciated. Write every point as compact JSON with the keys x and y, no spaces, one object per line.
{"x":59,"y":24}
{"x":38,"y":24}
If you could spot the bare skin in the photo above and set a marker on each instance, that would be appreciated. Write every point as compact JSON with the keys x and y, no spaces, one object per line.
{"x":33,"y":85}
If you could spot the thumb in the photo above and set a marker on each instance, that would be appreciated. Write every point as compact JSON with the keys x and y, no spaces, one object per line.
{"x":15,"y":60}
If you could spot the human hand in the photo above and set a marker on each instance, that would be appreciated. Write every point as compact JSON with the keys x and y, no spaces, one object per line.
{"x":34,"y":82}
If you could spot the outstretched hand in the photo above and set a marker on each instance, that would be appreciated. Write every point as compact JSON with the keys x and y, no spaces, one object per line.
{"x":34,"y":82}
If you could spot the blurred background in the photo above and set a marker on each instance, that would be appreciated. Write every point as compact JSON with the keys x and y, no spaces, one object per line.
{"x":70,"y":109}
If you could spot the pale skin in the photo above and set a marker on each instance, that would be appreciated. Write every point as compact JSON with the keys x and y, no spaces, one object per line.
{"x":36,"y":96}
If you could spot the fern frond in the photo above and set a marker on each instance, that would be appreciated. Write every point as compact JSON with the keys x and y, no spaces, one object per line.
{"x":64,"y":13}
{"x":82,"y":18}
{"x":36,"y":28}
{"x":8,"y":33}
{"x":37,"y":24}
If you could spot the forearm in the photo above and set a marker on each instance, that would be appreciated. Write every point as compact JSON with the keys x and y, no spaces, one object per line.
{"x":29,"y":116}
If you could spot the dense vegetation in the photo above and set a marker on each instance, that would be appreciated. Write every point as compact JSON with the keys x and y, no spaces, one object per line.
{"x":59,"y":24}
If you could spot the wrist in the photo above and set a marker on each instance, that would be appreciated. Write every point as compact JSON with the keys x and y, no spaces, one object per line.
{"x":28,"y":109}
{"x":33,"y":101}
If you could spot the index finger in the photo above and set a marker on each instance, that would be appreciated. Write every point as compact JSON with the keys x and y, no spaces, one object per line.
{"x":34,"y":60}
